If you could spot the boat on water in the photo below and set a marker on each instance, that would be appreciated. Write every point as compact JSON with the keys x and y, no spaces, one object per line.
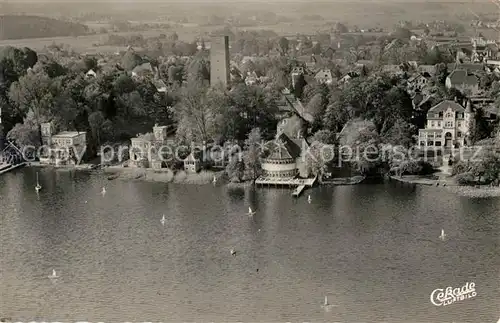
{"x":38,"y":187}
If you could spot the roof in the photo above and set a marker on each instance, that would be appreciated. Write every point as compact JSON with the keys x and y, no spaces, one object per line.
{"x":471,"y":67}
{"x":460,"y":77}
{"x":291,"y":126}
{"x":445,"y":105}
{"x":146,"y":67}
{"x":431,"y":69}
{"x":194,"y":156}
{"x":68,"y":134}
{"x":284,"y":148}
{"x":414,"y":77}
{"x":324,"y":73}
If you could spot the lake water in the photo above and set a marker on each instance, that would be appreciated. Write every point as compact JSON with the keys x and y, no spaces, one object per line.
{"x":372,"y":249}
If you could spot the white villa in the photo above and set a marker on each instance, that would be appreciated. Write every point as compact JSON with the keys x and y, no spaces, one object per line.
{"x":447,"y":126}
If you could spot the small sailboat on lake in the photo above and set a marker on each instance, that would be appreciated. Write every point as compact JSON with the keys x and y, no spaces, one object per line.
{"x":54,"y":274}
{"x":250,"y":212}
{"x":38,"y":187}
{"x":443,"y":235}
{"x":163,"y":220}
{"x":103,"y":192}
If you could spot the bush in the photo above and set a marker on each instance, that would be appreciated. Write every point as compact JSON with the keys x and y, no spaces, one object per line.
{"x":416,"y":168}
{"x":465,"y":179}
{"x":460,"y":167}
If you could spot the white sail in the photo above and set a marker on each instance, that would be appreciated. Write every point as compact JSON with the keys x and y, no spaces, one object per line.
{"x":250,"y":210}
{"x":326,"y":300}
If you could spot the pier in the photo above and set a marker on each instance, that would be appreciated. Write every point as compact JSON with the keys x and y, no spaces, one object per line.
{"x":299,"y":184}
{"x":4,"y":168}
{"x":298,"y":190}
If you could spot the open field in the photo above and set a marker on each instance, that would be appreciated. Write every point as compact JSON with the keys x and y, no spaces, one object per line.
{"x":363,"y":14}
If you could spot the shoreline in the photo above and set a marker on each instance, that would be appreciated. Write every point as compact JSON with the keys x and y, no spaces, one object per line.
{"x":206,"y":177}
{"x":449,"y":184}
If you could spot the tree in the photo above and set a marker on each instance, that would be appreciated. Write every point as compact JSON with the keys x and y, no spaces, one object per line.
{"x":318,"y":158}
{"x":480,"y":129}
{"x":195,"y":116}
{"x":283,"y":45}
{"x":25,"y":134}
{"x":402,"y":33}
{"x":96,"y":121}
{"x":130,"y":60}
{"x":33,"y":93}
{"x":90,"y":63}
{"x":252,"y":155}
{"x":325,"y":137}
{"x":235,"y":169}
{"x":316,"y":50}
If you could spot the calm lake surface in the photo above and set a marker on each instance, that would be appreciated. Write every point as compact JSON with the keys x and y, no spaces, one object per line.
{"x":372,"y":249}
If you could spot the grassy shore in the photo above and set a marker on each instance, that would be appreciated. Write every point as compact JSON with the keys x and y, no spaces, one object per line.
{"x":450,"y":184}
{"x":163,"y":175}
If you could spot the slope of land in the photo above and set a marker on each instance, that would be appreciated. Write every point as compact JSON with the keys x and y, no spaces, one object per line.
{"x":22,"y":27}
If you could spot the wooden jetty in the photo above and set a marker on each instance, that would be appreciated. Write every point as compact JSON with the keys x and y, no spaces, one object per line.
{"x":296,"y":192}
{"x":299,"y":184}
{"x":7,"y":168}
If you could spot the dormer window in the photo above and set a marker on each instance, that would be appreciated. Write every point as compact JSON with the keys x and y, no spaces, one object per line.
{"x":440,"y":115}
{"x":449,"y":115}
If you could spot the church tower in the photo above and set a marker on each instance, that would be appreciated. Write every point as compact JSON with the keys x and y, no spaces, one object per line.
{"x":219,"y":60}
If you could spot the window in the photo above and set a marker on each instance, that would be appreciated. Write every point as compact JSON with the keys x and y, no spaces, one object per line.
{"x":422,"y":143}
{"x":430,"y":143}
{"x":439,"y":135}
{"x":449,"y":115}
{"x":439,"y":123}
{"x":459,"y":134}
{"x":433,"y":124}
{"x":438,"y":143}
{"x":459,"y":124}
{"x":448,"y":124}
{"x":440,"y":115}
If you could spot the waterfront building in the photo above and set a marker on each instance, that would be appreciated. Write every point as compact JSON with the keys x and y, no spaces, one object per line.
{"x":64,"y":148}
{"x":144,"y":150}
{"x":193,"y":162}
{"x":285,"y":157}
{"x":447,"y":125}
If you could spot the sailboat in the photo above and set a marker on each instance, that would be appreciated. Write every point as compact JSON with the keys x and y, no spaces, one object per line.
{"x":103,"y":191}
{"x":233,"y":252}
{"x":327,"y":306}
{"x":443,"y":235}
{"x":309,"y":199}
{"x":214,"y":180}
{"x":163,"y":219}
{"x":38,"y":187}
{"x":250,"y":212}
{"x":54,"y":274}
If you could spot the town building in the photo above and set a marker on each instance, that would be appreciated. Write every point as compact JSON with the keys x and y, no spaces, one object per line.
{"x":418,"y":82}
{"x":193,"y":162}
{"x":145,"y":148}
{"x":464,"y":81}
{"x":64,"y":148}
{"x":296,"y":73}
{"x":324,"y":76}
{"x":91,"y":73}
{"x":448,"y":125}
{"x":219,"y":61}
